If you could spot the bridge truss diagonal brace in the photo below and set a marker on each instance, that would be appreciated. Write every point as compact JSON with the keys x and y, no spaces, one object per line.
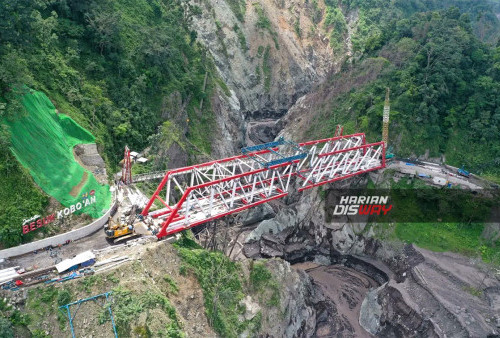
{"x":204,"y":192}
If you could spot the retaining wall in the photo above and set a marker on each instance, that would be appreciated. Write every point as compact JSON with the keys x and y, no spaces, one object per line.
{"x":72,"y":235}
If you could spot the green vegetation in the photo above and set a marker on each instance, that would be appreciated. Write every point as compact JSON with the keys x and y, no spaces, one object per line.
{"x":43,"y":142}
{"x":171,"y":285}
{"x":88,"y":282}
{"x":260,"y":51}
{"x":152,"y":306}
{"x":444,"y":82}
{"x":241,"y":38}
{"x":219,"y":278}
{"x":264,"y":23}
{"x":439,"y":219}
{"x":377,"y":19}
{"x":473,"y":291}
{"x":258,"y":73}
{"x":110,"y":65}
{"x":238,"y":7}
{"x":19,"y":196}
{"x":262,"y":19}
{"x":223,"y":288}
{"x":263,"y":283}
{"x":6,"y":328}
{"x":316,"y":13}
{"x":220,"y":38}
{"x":11,"y":320}
{"x":335,"y":21}
{"x":64,"y":297}
{"x":127,"y":306}
{"x":118,"y":68}
{"x":455,"y":237}
{"x":414,"y":201}
{"x":42,"y":302}
{"x":296,"y":28}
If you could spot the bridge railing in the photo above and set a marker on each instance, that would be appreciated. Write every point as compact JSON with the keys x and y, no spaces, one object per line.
{"x":148,"y":176}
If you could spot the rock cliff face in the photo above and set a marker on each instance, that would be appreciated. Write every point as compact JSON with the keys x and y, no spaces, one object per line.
{"x":268,"y":51}
{"x":311,"y":303}
{"x":421,"y":293}
{"x":297,"y":315}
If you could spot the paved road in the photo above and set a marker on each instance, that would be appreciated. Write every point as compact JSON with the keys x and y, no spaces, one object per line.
{"x":44,"y":258}
{"x":436,"y":171}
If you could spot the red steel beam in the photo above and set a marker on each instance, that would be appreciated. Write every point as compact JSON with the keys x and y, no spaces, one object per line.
{"x":174,"y":211}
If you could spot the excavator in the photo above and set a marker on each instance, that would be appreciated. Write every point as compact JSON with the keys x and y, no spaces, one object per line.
{"x":122,"y":229}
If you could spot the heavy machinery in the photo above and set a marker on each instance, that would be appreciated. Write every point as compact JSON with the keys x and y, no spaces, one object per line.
{"x":463,"y":172}
{"x":389,"y":155}
{"x":122,"y":229}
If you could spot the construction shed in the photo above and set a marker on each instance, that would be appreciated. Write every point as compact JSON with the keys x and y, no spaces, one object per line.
{"x":8,"y":274}
{"x":84,"y":259}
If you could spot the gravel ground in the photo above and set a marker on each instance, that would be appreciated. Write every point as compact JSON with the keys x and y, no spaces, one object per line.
{"x":46,"y":258}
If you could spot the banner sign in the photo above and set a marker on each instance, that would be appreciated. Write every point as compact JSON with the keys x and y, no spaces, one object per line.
{"x":36,"y":221}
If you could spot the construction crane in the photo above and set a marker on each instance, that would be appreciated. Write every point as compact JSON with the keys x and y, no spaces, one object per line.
{"x":385,"y":118}
{"x":127,"y":167}
{"x":385,"y":125}
{"x":339,"y":130}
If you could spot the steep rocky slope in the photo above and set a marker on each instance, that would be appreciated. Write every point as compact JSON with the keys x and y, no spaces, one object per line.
{"x":415,"y":292}
{"x":268,"y":52}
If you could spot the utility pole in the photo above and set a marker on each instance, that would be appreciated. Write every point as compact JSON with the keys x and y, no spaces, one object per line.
{"x":385,"y":118}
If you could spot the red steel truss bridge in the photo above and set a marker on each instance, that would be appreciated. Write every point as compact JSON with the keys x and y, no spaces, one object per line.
{"x":204,"y":192}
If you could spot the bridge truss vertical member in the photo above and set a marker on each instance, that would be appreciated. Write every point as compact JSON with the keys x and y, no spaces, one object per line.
{"x":204,"y":192}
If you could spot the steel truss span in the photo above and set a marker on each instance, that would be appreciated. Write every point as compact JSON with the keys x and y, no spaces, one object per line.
{"x":197,"y":194}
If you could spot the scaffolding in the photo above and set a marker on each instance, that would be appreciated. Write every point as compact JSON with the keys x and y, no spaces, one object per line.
{"x":65,"y":309}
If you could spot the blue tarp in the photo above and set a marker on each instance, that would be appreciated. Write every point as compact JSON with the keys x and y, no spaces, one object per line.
{"x":88,"y":263}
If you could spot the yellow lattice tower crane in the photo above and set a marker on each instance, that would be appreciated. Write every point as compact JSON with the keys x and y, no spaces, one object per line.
{"x":385,"y":118}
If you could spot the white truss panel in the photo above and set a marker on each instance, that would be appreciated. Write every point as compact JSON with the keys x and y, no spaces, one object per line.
{"x":200,"y":193}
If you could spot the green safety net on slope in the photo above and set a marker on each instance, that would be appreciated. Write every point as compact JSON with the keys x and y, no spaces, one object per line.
{"x":43,"y":142}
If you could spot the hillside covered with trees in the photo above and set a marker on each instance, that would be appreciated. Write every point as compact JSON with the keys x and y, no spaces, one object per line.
{"x":443,"y":69}
{"x":113,"y":66}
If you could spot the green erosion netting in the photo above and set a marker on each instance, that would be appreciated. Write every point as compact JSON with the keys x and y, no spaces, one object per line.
{"x":43,"y":142}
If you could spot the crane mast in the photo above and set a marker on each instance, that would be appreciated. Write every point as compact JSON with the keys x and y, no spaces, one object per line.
{"x":385,"y":118}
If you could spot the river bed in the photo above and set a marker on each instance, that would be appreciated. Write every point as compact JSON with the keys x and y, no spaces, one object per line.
{"x":346,"y":288}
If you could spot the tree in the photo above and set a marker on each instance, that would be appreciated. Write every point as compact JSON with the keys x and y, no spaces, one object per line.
{"x":104,"y":26}
{"x":6,"y":328}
